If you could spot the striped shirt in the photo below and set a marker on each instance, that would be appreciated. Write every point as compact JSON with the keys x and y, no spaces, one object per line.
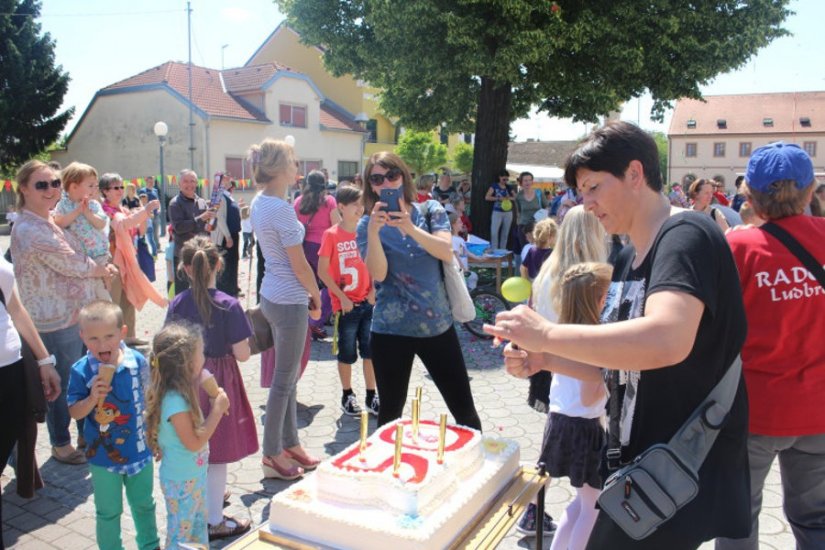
{"x":277,"y":228}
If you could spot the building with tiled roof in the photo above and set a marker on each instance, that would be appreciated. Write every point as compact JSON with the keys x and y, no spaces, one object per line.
{"x":231,"y":109}
{"x":715,"y":137}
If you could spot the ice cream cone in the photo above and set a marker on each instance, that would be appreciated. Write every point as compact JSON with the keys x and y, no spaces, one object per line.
{"x":105,"y":372}
{"x":209,"y":384}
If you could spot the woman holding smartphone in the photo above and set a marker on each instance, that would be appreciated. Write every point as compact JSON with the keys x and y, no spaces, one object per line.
{"x":403,"y":248}
{"x":288,"y":287}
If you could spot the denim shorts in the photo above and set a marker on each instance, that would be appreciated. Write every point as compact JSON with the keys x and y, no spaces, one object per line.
{"x":354,"y":327}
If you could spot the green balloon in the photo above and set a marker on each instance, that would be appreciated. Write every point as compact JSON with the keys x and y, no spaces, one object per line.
{"x":516,"y":289}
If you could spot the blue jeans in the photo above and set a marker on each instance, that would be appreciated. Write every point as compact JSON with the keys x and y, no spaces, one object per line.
{"x":67,"y":348}
{"x":354,"y":331}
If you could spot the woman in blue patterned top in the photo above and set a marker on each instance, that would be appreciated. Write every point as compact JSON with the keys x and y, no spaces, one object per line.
{"x":412,"y":316}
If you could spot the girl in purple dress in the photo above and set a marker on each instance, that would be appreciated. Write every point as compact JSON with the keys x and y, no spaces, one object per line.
{"x":225,"y":334}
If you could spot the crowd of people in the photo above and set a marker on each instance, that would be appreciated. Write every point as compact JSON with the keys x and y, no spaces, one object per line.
{"x":639,"y":307}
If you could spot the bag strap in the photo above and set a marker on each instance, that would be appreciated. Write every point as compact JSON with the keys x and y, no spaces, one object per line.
{"x":695,"y":438}
{"x":797,"y":250}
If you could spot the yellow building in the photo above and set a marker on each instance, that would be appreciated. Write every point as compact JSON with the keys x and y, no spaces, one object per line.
{"x":354,"y":97}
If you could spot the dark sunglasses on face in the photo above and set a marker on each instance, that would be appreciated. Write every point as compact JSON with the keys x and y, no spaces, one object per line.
{"x":43,"y":185}
{"x":115,"y":188}
{"x":391,"y":175}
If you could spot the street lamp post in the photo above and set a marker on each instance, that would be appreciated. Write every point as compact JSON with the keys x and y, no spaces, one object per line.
{"x":161,"y":129}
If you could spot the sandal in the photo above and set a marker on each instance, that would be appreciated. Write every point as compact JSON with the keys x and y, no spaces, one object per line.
{"x":229,"y":527}
{"x":75,"y":457}
{"x":272,"y":470}
{"x":305,"y":462}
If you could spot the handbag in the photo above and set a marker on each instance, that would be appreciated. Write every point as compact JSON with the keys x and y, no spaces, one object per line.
{"x":36,"y":403}
{"x":461,"y":304}
{"x":261,"y":338}
{"x":649,"y":491}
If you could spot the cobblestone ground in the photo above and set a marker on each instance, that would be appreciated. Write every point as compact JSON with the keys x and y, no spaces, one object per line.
{"x":61,"y":516}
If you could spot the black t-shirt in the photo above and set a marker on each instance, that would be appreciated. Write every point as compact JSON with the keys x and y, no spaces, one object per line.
{"x":689,"y":255}
{"x":441,"y":195}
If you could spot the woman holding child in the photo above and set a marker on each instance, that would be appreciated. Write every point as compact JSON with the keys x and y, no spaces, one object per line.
{"x":403,"y":251}
{"x":55,"y":280}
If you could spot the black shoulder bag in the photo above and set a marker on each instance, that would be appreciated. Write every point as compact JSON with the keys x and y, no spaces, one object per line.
{"x":797,"y":250}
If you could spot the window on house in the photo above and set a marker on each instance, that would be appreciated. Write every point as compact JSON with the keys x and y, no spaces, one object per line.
{"x":444,"y":136}
{"x":745,"y":148}
{"x":810,"y":148}
{"x":468,"y":138}
{"x":372,"y":128}
{"x":293,"y":115}
{"x":719,"y":149}
{"x":690,"y":149}
{"x":235,"y":167}
{"x":307,"y":166}
{"x":347,"y":169}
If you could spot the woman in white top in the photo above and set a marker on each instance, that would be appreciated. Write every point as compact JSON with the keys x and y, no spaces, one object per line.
{"x":14,"y":323}
{"x":288,"y":287}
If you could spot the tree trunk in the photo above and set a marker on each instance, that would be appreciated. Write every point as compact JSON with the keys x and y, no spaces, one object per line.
{"x":490,"y":154}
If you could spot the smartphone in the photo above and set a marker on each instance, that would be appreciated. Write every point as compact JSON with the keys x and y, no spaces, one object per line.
{"x":390,"y":198}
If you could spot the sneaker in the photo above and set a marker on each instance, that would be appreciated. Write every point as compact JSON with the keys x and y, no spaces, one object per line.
{"x":527,"y":524}
{"x":349,"y":404}
{"x":373,"y":405}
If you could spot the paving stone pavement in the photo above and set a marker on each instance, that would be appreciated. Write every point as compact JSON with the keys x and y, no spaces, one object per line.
{"x":61,"y":516}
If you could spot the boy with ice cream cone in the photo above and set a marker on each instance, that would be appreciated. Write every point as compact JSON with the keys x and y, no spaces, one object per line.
{"x":106,"y":387}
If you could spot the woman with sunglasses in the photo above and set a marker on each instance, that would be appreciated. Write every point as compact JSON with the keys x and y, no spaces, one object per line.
{"x":403,"y":251}
{"x":55,"y":279}
{"x":130,"y":289}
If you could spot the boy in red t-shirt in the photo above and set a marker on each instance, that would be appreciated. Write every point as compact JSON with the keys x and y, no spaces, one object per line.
{"x":341,"y":268}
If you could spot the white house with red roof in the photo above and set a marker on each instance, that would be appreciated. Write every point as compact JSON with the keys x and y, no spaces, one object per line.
{"x":715,"y":137}
{"x":232,"y":109}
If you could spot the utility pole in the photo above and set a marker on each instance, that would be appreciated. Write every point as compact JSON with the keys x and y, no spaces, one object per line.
{"x":191,"y":103}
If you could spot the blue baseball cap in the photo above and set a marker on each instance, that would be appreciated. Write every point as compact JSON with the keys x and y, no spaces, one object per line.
{"x":779,"y":161}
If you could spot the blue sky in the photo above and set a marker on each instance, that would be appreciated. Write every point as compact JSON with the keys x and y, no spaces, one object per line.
{"x":102,"y":41}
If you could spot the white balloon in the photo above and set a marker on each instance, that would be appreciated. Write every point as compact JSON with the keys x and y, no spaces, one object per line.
{"x":290,"y":140}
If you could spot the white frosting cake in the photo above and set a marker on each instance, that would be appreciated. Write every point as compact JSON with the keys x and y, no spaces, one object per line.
{"x":356,"y":502}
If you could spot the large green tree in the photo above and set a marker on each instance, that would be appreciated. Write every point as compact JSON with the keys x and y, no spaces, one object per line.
{"x":421,"y":151}
{"x":479,"y":64}
{"x":31,"y":86}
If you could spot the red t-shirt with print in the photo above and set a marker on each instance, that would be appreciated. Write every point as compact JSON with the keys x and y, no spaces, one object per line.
{"x":783,"y":356}
{"x":347,"y":268}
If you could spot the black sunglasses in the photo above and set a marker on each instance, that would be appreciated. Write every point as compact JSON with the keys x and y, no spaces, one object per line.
{"x":116,"y":188}
{"x":43,"y":185}
{"x":391,"y":175}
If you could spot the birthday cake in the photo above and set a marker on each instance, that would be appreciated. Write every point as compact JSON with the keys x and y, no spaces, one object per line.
{"x":359,"y":499}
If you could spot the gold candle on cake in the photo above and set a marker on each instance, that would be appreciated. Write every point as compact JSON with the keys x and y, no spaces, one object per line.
{"x":105,"y":372}
{"x":442,"y":437}
{"x":365,"y":422}
{"x":399,"y":440}
{"x":416,"y":417}
{"x":418,"y":393}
